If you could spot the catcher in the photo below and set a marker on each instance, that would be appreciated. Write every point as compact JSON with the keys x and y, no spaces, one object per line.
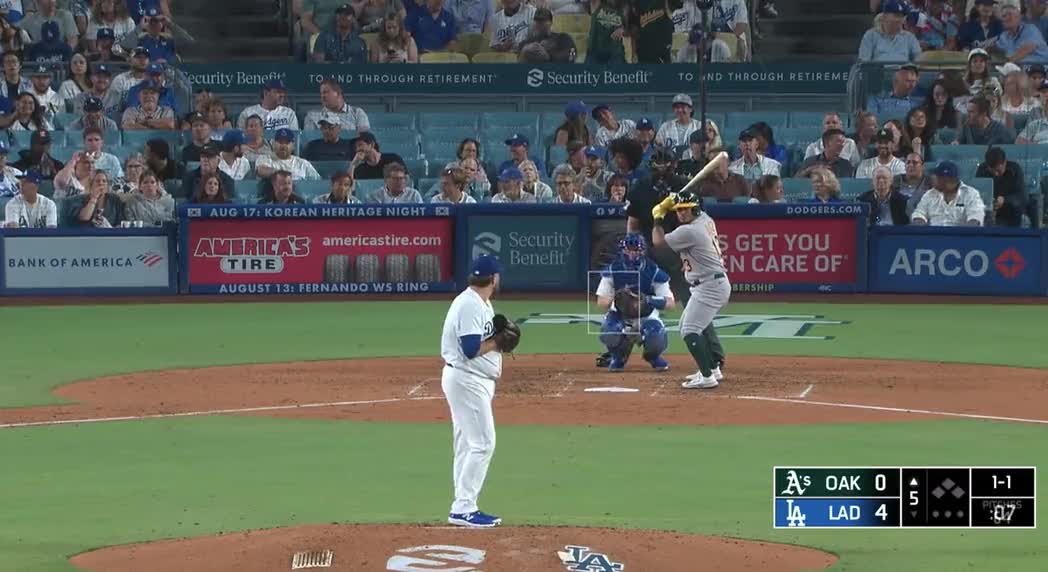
{"x":633,"y":289}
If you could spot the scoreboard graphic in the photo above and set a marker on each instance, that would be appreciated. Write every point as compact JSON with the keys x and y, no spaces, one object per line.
{"x":904,"y":497}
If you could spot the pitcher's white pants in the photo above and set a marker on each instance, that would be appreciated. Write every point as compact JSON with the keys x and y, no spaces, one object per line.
{"x":469,"y":398}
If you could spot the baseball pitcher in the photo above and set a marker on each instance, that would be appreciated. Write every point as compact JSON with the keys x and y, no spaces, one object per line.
{"x":695,"y":240}
{"x":633,"y":289}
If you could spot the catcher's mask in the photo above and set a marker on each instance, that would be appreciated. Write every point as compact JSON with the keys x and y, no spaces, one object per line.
{"x":687,"y":200}
{"x":633,"y":248}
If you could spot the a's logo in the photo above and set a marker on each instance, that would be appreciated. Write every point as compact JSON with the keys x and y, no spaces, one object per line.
{"x":487,"y":243}
{"x":794,"y":517}
{"x":535,"y":77}
{"x":793,"y":484}
{"x":436,"y":557}
{"x":150,"y":259}
{"x":1010,"y":263}
{"x":582,"y":559}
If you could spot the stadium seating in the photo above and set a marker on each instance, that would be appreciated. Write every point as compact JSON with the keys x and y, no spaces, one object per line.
{"x":742,"y":119}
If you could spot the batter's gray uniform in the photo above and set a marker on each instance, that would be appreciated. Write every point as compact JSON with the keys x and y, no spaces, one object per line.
{"x":700,"y":254}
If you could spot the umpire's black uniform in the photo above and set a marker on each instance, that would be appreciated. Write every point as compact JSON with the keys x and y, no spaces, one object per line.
{"x":643,"y":196}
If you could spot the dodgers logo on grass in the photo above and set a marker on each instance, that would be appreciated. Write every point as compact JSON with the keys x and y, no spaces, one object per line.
{"x":582,"y":559}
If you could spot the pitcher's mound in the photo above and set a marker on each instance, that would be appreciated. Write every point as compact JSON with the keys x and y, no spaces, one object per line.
{"x":412,"y":548}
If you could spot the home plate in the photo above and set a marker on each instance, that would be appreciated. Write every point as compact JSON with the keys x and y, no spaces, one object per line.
{"x":611,"y":389}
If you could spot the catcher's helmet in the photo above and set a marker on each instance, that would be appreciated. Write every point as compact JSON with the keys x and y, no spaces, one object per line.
{"x":687,"y":200}
{"x":633,"y":241}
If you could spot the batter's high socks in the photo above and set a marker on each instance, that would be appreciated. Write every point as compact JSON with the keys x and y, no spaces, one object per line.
{"x":700,"y":352}
{"x":710,"y":333}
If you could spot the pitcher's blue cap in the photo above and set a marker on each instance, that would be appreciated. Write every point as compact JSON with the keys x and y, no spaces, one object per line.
{"x":485,"y":265}
{"x":946,"y":169}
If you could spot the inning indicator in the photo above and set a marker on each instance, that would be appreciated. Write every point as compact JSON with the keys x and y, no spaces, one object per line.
{"x":892,"y":497}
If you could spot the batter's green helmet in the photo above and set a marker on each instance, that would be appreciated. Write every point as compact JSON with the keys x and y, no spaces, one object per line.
{"x":687,"y":200}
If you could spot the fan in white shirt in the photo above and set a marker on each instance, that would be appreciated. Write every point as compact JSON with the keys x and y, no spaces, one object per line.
{"x":884,"y":158}
{"x":283,"y":159}
{"x":611,"y":127}
{"x":271,"y":109}
{"x":568,"y":184}
{"x":123,"y":82}
{"x":832,"y":120}
{"x":230,"y":161}
{"x":334,"y":102}
{"x":48,"y":98}
{"x":678,"y":130}
{"x":453,"y":183}
{"x":753,"y":165}
{"x":949,"y":202}
{"x":30,"y":209}
{"x":510,"y":25}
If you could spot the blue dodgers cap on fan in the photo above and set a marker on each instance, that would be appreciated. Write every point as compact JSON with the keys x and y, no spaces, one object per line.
{"x":592,"y":151}
{"x":517,"y":139}
{"x":645,"y":123}
{"x":284,"y":134}
{"x":894,"y":7}
{"x":275,"y":84}
{"x":575,"y":108}
{"x":233,"y":137}
{"x":485,"y":265}
{"x":105,"y":34}
{"x":155,"y":69}
{"x":595,"y":112}
{"x":32,"y":175}
{"x":945,"y":169}
{"x":511,"y":174}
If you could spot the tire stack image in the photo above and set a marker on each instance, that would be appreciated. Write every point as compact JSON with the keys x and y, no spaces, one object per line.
{"x":369,"y":268}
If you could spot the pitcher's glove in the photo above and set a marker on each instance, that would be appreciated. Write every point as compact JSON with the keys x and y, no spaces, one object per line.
{"x":507,"y":333}
{"x":630,"y":305}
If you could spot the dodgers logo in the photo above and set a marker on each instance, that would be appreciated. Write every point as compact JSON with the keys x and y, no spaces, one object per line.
{"x":487,"y":243}
{"x":535,"y":77}
{"x":582,"y":559}
{"x":793,"y":484}
{"x":794,"y":517}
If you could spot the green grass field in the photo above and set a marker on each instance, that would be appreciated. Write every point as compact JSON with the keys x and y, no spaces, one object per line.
{"x":70,"y":488}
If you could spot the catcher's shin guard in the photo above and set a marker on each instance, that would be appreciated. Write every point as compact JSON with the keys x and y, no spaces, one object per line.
{"x":655,"y":338}
{"x":619,"y":344}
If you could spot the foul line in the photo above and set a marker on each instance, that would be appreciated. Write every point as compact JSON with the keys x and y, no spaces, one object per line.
{"x":210,"y":412}
{"x":420,"y":386}
{"x":894,"y":409}
{"x":806,"y":391}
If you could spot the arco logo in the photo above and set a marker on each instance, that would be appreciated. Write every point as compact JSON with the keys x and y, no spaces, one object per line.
{"x":1010,"y":263}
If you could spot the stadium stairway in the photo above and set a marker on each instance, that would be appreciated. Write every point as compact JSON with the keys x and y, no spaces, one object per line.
{"x":232,"y":29}
{"x":815,"y":30}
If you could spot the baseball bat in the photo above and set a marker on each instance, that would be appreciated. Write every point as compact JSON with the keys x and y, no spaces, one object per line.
{"x":708,"y":169}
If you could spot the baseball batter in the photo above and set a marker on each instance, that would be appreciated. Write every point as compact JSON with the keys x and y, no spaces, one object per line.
{"x":633,"y":289}
{"x":472,"y":343}
{"x":696,"y":242}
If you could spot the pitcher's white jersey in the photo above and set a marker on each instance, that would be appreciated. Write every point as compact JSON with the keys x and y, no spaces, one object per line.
{"x":468,"y":315}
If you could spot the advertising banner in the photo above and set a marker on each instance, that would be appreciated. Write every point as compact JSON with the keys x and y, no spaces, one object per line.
{"x":46,"y":262}
{"x":319,"y":256}
{"x":784,"y":254}
{"x":538,"y":252}
{"x":957,"y":261}
{"x":490,"y":79}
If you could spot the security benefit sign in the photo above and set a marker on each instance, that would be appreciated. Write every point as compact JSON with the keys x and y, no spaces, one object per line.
{"x":536,"y":251}
{"x":783,"y":254}
{"x":955,"y":261}
{"x":85,"y":263}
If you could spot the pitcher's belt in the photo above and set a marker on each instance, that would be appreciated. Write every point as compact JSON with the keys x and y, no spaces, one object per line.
{"x":716,"y":276}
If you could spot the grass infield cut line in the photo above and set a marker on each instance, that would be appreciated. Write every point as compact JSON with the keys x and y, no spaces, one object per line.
{"x":894,"y":409}
{"x":210,"y":412}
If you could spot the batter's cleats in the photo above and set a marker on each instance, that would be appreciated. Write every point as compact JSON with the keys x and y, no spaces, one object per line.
{"x":475,"y":519}
{"x":604,"y":359}
{"x":659,"y":364}
{"x":717,"y":374}
{"x":616,"y":365}
{"x":700,"y":382}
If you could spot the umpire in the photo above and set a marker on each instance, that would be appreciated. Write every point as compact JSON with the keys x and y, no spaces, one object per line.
{"x":643,"y":196}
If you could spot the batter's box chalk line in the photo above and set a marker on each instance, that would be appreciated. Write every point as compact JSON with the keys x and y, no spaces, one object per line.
{"x":312,"y":559}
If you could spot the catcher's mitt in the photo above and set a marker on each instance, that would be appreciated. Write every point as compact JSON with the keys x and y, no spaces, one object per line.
{"x":630,"y":305}
{"x":507,"y":333}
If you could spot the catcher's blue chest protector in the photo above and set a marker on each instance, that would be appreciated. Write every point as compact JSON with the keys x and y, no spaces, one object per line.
{"x":640,"y":276}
